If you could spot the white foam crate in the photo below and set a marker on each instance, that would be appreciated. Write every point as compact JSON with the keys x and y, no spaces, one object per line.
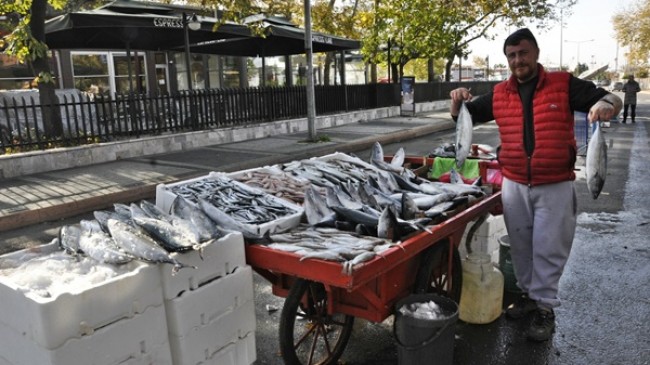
{"x":50,"y":322}
{"x":241,"y":352}
{"x":216,"y":299}
{"x":206,"y":320}
{"x":220,"y":258}
{"x":140,"y":340}
{"x":165,"y":197}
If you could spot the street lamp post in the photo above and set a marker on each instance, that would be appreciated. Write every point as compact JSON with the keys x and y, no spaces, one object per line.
{"x":193,"y":24}
{"x":578,"y":53}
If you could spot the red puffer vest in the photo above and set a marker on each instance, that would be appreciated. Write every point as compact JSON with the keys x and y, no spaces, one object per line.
{"x":554,"y":155}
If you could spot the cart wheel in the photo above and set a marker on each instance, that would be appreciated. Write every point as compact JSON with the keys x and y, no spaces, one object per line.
{"x":308,"y":335}
{"x":433,"y":275}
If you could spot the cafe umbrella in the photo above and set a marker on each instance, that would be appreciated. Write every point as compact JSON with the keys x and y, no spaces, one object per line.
{"x":147,"y":28}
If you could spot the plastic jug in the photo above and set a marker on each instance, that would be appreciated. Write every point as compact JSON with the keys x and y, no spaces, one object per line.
{"x":481,"y":297}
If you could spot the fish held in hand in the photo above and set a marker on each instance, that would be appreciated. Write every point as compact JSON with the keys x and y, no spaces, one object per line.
{"x":464,"y":129}
{"x":596,"y":162}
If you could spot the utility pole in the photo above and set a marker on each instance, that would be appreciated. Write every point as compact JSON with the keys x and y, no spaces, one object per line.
{"x":311,"y":97}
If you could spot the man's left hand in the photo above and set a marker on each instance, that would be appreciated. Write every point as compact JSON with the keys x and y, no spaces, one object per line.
{"x":602,"y":111}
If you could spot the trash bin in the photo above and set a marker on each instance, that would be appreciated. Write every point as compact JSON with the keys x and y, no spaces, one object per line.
{"x":425,"y":341}
{"x":505,"y":265}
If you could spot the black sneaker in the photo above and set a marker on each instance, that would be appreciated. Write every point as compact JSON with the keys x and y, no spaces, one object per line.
{"x":543,"y":325}
{"x":521,"y":307}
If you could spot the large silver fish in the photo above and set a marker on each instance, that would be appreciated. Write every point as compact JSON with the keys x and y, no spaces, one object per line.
{"x":226,"y":222}
{"x":596,"y":163}
{"x":204,"y":226}
{"x":100,"y":246}
{"x":464,"y":129}
{"x":69,"y":239}
{"x":143,"y":247}
{"x":316,"y":209}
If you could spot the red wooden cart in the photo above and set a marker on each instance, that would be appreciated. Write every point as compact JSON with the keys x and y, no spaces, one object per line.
{"x":322,"y":302}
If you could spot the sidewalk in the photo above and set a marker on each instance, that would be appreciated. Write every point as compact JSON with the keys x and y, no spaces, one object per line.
{"x":54,"y":195}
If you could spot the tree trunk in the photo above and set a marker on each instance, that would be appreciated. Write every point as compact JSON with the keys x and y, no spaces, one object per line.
{"x":431,"y":77}
{"x":450,"y":61}
{"x":329,"y":58}
{"x":52,"y":124}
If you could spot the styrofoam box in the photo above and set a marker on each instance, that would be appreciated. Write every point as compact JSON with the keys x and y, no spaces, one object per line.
{"x":241,"y":352}
{"x":139,"y":340}
{"x":220,"y":258}
{"x":50,"y":322}
{"x":165,"y":198}
{"x":204,"y":321}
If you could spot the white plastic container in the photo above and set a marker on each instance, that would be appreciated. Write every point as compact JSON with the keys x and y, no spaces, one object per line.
{"x":241,"y":352}
{"x":220,"y":258}
{"x":139,"y":340}
{"x":204,"y":321}
{"x":165,"y":197}
{"x":481,"y":297}
{"x":51,"y":322}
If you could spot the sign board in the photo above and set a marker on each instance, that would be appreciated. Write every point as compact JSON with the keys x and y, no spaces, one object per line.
{"x":408,"y":95}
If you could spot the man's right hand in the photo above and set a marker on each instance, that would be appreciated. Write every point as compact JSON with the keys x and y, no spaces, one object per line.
{"x":457,"y":97}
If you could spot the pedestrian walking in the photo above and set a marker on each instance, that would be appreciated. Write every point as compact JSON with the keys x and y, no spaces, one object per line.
{"x":630,"y":88}
{"x":534,"y":110}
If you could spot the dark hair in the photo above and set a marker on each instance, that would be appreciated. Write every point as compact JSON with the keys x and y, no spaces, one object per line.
{"x":519,"y":35}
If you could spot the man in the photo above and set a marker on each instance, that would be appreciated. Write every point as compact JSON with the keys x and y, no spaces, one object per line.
{"x":534,"y":112}
{"x":630,"y":89}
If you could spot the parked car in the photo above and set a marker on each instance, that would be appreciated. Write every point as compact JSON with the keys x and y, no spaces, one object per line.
{"x":617,"y":86}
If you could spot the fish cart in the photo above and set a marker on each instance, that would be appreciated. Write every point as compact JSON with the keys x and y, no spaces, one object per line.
{"x":322,"y":301}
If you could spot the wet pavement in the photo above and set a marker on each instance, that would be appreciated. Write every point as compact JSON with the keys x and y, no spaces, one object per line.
{"x":605,"y":290}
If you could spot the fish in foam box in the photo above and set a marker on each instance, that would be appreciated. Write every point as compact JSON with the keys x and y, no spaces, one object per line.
{"x":49,"y":297}
{"x":166,"y":193}
{"x":139,"y":340}
{"x":206,"y":320}
{"x":218,"y":259}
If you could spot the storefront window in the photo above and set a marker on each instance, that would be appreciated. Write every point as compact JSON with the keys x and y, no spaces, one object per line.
{"x":14,"y":75}
{"x":213,"y":71}
{"x":230,"y":72}
{"x":138,"y":78}
{"x":90,"y":72}
{"x":196,"y":68}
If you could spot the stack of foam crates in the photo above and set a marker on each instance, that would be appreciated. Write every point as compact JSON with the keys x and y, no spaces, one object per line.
{"x":210,"y":310}
{"x":118,"y":321}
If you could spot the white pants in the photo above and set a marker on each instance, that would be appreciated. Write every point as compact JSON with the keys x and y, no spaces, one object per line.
{"x":541,"y":223}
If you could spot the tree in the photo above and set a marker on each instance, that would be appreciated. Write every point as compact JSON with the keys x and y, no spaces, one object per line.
{"x":633,"y":31}
{"x":27,"y":44}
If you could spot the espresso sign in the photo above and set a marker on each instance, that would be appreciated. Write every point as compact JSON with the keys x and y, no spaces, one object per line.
{"x":168,"y":22}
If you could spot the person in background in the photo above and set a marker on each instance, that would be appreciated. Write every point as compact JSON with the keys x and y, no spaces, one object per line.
{"x":630,"y":88}
{"x":533,"y":110}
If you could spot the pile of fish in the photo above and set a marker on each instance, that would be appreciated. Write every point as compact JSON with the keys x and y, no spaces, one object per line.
{"x":330,"y":244}
{"x":274,"y":181}
{"x":380,"y":199}
{"x":243,"y":204}
{"x":141,"y":232}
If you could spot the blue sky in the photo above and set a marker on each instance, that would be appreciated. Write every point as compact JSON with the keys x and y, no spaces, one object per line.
{"x":590,"y":19}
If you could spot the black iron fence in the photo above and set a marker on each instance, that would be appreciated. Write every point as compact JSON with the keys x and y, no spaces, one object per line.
{"x":91,"y":119}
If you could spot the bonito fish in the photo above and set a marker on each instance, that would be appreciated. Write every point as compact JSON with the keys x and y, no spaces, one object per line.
{"x":596,"y":163}
{"x":464,"y":128}
{"x":143,"y":247}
